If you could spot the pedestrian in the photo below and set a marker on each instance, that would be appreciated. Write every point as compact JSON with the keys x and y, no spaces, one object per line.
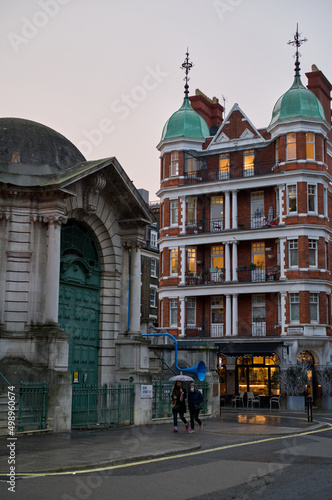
{"x":195,"y":400}
{"x":178,"y":403}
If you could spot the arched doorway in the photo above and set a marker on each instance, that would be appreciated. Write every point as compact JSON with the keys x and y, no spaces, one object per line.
{"x":79,"y":300}
{"x":306,"y":358}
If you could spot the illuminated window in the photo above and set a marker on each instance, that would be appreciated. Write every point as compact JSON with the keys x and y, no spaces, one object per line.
{"x":291,"y":146}
{"x":191,"y":311}
{"x":311,"y":198}
{"x":292,"y":199}
{"x":191,"y":215}
{"x":293,"y":253}
{"x":310,"y":145}
{"x":174,"y":163}
{"x":174,"y":212}
{"x":173,"y":312}
{"x":224,"y":166}
{"x":190,"y":165}
{"x":248,"y":163}
{"x":217,"y":257}
{"x":258,"y":255}
{"x":314,"y":311}
{"x":191,"y":260}
{"x":313,"y":253}
{"x":294,"y":307}
{"x":174,"y":261}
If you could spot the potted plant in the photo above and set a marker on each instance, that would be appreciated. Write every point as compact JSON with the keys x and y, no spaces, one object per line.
{"x":324,"y":378}
{"x":293,"y":382}
{"x":252,"y":265}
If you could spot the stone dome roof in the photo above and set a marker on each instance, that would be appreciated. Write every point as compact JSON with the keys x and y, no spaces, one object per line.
{"x":185,"y":122}
{"x":298,"y":101}
{"x":30,"y":143}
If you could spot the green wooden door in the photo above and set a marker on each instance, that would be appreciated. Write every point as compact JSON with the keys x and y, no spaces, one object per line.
{"x":79,"y":302}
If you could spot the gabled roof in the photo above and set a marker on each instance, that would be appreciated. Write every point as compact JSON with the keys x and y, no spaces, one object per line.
{"x":236,"y":127}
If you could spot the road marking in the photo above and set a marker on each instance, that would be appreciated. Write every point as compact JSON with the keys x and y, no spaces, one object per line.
{"x":171,"y":457}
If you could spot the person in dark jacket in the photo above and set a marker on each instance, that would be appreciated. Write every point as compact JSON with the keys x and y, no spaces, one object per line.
{"x":195,"y":400}
{"x":178,"y":403}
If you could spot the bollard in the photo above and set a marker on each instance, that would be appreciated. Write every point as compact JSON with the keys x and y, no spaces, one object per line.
{"x":309,"y":400}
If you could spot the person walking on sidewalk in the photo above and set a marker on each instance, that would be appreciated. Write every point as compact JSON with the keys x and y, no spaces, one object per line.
{"x":178,"y":403}
{"x":195,"y":400}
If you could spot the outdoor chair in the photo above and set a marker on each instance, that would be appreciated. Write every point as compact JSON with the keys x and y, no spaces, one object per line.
{"x":275,"y":400}
{"x":251,"y":398}
{"x":238,"y":398}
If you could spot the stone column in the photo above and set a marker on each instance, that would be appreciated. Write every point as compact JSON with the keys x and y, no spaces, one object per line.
{"x":282,"y":244}
{"x":228,"y":315}
{"x":52,"y":278}
{"x":227,"y":210}
{"x":281,"y":215}
{"x":283,"y":296}
{"x":227,"y":262}
{"x":182,"y":316}
{"x":235,"y":314}
{"x":234,"y":209}
{"x":135,"y":287}
{"x":182,"y":263}
{"x":183,"y":214}
{"x":234,"y":260}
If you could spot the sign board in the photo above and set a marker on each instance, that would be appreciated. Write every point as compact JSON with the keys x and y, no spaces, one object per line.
{"x":75,"y":378}
{"x":295,"y":331}
{"x":146,"y":391}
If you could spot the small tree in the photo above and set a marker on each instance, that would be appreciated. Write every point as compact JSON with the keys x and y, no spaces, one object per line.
{"x":294,"y":380}
{"x":324,"y":377}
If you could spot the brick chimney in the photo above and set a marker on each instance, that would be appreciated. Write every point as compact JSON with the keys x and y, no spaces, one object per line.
{"x":321,"y":87}
{"x":209,"y":109}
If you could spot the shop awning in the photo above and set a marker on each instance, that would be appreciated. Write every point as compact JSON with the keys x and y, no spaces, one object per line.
{"x":248,"y":348}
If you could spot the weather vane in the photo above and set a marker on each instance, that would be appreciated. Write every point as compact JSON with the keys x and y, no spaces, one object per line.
{"x":297,"y":42}
{"x":187,"y":67}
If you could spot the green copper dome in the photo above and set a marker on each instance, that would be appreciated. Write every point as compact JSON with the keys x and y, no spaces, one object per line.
{"x":185,"y":122}
{"x":297,"y":101}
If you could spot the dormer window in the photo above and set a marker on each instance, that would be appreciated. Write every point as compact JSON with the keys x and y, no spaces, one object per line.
{"x":310,"y":145}
{"x":291,"y":146}
{"x":174,"y":163}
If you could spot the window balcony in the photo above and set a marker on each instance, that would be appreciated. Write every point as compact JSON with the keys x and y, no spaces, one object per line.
{"x":233,"y":172}
{"x":255,"y":274}
{"x":259,"y":221}
{"x":212,"y":276}
{"x":258,"y":329}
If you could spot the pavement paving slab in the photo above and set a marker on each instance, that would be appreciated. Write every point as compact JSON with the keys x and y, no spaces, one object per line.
{"x":85,"y":449}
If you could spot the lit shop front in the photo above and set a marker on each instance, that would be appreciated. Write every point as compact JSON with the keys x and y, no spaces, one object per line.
{"x":254,"y":365}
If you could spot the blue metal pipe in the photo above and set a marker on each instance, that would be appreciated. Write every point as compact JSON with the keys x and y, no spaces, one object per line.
{"x":199,"y":370}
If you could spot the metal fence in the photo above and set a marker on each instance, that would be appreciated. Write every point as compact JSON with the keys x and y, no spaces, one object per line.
{"x":162,"y":398}
{"x":32,"y":411}
{"x":103,"y":405}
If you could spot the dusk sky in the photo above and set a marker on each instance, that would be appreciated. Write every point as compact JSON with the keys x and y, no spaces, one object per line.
{"x":106,"y":73}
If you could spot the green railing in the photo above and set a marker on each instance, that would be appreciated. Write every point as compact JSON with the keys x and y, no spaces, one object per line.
{"x":103,"y":405}
{"x":162,"y":398}
{"x":32,"y":405}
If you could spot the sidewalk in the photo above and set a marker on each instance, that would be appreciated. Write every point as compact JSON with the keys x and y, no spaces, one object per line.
{"x":80,"y":449}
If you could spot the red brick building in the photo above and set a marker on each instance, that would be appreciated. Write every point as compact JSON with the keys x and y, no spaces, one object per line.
{"x":245,"y":234}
